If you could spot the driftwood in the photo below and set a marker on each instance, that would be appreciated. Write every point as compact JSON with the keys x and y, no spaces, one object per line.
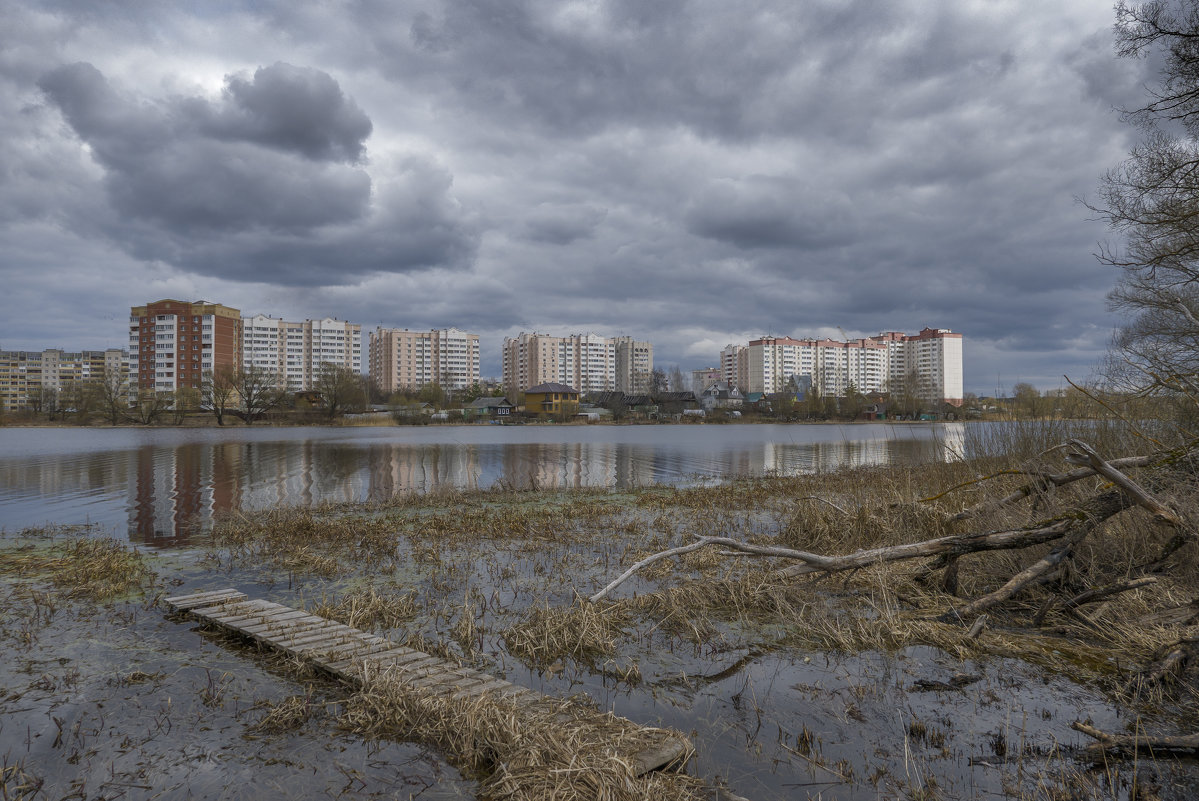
{"x":1063,"y":532}
{"x":1107,"y":743}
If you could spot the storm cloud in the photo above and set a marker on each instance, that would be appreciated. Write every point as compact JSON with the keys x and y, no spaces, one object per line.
{"x":266,"y":183}
{"x":691,"y":172}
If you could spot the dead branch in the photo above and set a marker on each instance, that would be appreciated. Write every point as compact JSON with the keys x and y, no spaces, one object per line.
{"x":1088,"y":457}
{"x":1099,"y":593}
{"x":1044,"y":482}
{"x":1107,"y":743}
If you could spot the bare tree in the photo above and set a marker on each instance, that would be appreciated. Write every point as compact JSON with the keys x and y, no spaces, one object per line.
{"x":340,"y":389}
{"x":150,"y":405}
{"x":259,"y":391}
{"x":112,"y":394}
{"x":218,"y":393}
{"x":1152,"y":201}
{"x":678,"y":381}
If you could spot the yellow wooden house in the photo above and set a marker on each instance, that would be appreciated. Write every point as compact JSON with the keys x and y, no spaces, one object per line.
{"x":551,"y":400}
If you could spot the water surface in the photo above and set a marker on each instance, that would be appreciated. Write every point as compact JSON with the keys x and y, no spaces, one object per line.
{"x":158,"y":485}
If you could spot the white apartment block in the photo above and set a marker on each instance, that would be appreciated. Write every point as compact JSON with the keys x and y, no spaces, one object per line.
{"x":584,"y":362}
{"x":403,"y":359}
{"x":295,"y":351}
{"x":932,"y":358}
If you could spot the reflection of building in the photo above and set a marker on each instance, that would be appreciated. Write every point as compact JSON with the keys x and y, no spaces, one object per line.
{"x":296,"y":351}
{"x":178,"y":490}
{"x":403,"y":359}
{"x":590,"y":362}
{"x":172,"y":343}
{"x":24,"y":375}
{"x":396,"y":469}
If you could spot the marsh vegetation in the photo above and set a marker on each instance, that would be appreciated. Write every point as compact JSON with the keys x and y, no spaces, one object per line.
{"x":849,"y":685}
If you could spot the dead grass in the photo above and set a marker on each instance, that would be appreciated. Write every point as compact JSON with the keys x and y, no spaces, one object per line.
{"x":82,"y":568}
{"x":287,"y":715}
{"x":559,"y":750}
{"x":583,"y":632}
{"x":369,"y":609}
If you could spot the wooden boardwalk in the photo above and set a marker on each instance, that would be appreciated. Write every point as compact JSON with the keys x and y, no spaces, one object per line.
{"x":355,"y":656}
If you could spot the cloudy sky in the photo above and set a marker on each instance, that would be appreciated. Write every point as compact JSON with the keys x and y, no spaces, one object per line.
{"x":691,"y":172}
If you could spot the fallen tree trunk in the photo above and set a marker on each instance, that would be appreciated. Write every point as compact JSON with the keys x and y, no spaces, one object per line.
{"x":1065,"y":532}
{"x":1106,"y":743}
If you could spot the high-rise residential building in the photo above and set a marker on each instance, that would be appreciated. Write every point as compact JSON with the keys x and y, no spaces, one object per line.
{"x":173,"y":343}
{"x":24,"y":374}
{"x":295,"y":351}
{"x":734,"y":366}
{"x":586,"y":362}
{"x":403,"y":359}
{"x":932,"y":359}
{"x":634,"y":365}
{"x":929,"y":363}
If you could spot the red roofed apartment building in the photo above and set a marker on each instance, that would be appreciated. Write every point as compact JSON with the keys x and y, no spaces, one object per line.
{"x":173,"y":343}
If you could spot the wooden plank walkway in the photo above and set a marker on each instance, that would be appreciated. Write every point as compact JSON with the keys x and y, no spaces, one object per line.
{"x":354,"y":656}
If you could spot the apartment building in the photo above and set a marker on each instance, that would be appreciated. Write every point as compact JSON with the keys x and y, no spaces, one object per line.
{"x":403,"y":359}
{"x":295,"y":351}
{"x":24,"y":374}
{"x":634,"y":365}
{"x":173,"y":343}
{"x":931,"y":360}
{"x":706,"y":377}
{"x":587,"y":362}
{"x":734,"y":366}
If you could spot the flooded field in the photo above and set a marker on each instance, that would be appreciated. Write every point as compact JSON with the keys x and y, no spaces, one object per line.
{"x":833,"y":689}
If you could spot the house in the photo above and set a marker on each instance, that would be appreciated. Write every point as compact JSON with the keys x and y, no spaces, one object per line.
{"x":721,"y":396}
{"x":482,"y":408}
{"x":551,"y":399}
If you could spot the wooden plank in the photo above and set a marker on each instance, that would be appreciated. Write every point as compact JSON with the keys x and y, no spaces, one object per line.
{"x":287,"y":627}
{"x":240,"y":613}
{"x":433,"y":679}
{"x":182,"y":602}
{"x":492,"y":684}
{"x":670,"y":751}
{"x":285,"y":639}
{"x":313,"y":642}
{"x":288,"y":620}
{"x":379,"y":649}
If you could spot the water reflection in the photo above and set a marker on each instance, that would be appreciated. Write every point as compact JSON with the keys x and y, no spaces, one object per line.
{"x":163,"y":488}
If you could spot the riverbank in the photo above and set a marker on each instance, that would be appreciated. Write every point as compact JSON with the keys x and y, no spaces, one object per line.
{"x":847,"y":686}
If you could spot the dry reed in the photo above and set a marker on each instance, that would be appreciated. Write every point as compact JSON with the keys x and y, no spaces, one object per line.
{"x":556,"y":750}
{"x":94,"y":569}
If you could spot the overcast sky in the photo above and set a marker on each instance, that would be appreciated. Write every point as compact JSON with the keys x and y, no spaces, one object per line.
{"x":690,"y":173}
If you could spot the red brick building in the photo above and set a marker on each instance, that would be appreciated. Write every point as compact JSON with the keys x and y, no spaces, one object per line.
{"x":173,"y":343}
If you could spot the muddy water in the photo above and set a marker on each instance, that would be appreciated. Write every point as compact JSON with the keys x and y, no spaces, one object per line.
{"x":118,"y":702}
{"x":158,"y":486}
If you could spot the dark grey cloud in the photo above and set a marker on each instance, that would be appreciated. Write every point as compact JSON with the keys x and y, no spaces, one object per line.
{"x":762,"y":212}
{"x":290,"y":109}
{"x":265,"y":185}
{"x":687,"y":171}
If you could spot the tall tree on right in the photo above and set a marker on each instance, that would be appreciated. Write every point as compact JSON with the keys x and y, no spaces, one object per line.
{"x":1152,"y":201}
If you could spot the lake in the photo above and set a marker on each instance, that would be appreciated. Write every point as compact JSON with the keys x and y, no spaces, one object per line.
{"x":157,"y":486}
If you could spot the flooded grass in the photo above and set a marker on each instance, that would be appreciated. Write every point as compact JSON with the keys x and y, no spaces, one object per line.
{"x":844,"y":687}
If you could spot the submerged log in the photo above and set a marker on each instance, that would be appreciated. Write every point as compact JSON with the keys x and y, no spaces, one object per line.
{"x":1107,"y":743}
